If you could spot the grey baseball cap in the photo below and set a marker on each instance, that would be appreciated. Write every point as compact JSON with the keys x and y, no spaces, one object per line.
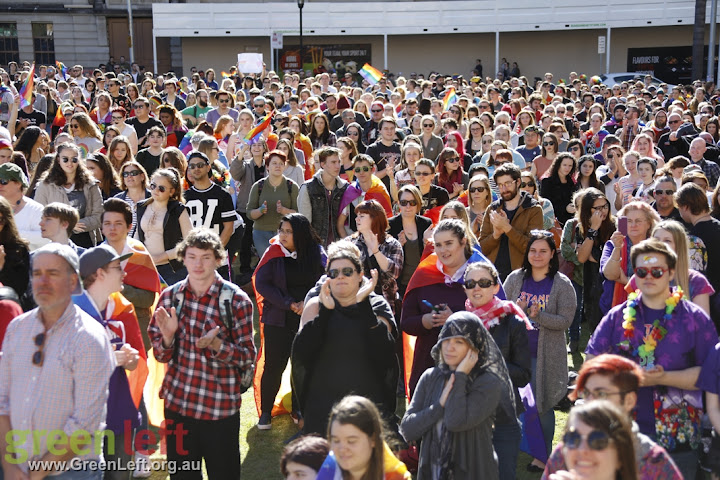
{"x":66,"y":253}
{"x":98,"y":257}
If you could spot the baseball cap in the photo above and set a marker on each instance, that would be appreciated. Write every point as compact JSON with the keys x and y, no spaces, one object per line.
{"x":98,"y":257}
{"x":66,"y":253}
{"x":5,"y":143}
{"x":10,"y":171}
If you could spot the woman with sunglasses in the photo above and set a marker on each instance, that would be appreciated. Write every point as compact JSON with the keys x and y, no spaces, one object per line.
{"x":346,"y":342}
{"x":457,"y":112}
{"x":559,"y":186}
{"x":433,"y":196}
{"x":529,"y":184}
{"x":455,"y":141}
{"x":457,"y":401}
{"x":451,"y":176}
{"x":355,"y":132}
{"x":548,"y":299}
{"x":287,"y":271}
{"x":68,"y":181}
{"x":598,"y":444}
{"x":134,"y":182}
{"x":479,"y":197}
{"x":119,"y":116}
{"x":548,"y":153}
{"x":85,"y":134}
{"x":431,"y":143}
{"x":670,"y":338}
{"x":508,"y":326}
{"x":409,"y":228}
{"x":162,"y":223}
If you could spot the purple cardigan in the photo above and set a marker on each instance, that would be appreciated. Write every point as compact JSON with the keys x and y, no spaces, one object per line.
{"x":271,"y":284}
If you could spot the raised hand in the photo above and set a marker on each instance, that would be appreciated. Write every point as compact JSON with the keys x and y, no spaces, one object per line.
{"x":167,"y":322}
{"x":467,"y":363}
{"x":367,"y":287}
{"x":326,"y":297}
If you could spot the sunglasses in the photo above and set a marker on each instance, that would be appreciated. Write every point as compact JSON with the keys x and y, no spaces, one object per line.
{"x":362,"y":169}
{"x":596,"y":440}
{"x":673,"y":122}
{"x":335,"y":272}
{"x":656,"y":272}
{"x":162,"y":188}
{"x":574,"y":149}
{"x":69,"y":159}
{"x":74,"y":126}
{"x":428,"y":125}
{"x":139,"y":106}
{"x":482,"y":283}
{"x":38,"y":357}
{"x":405,"y":203}
{"x":547,"y":144}
{"x":131,"y":173}
{"x":223,"y":100}
{"x":453,"y":159}
{"x":193,"y":166}
{"x":376,"y":111}
{"x":476,"y":189}
{"x":527,"y":184}
{"x":423,"y":174}
{"x":669,"y":193}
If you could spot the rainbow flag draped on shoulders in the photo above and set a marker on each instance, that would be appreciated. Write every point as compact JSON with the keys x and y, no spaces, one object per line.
{"x":377,"y":191}
{"x":450,"y":98}
{"x":62,"y":69}
{"x":370,"y":73}
{"x":140,"y":269}
{"x":27,"y":88}
{"x":394,"y":468}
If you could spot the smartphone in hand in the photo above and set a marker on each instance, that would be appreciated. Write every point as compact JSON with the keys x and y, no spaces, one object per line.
{"x":623,"y":225}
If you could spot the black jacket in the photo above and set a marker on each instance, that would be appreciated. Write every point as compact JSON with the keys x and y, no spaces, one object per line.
{"x":511,"y":338}
{"x":421,"y":223}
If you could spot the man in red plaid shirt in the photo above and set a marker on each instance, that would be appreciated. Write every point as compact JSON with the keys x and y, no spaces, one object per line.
{"x":206,"y":360}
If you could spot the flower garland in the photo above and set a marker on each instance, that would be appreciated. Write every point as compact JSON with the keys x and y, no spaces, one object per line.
{"x":654,"y":334}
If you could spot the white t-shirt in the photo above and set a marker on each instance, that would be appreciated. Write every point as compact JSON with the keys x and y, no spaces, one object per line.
{"x":27,"y":221}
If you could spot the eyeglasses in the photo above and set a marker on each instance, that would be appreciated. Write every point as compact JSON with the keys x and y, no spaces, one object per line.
{"x":223,"y":100}
{"x":506,"y":185}
{"x":527,"y":184}
{"x":596,"y":440}
{"x":673,"y":122}
{"x":669,"y":193}
{"x":597,"y":394}
{"x":69,"y":159}
{"x":656,"y":272}
{"x":39,"y":356}
{"x":193,"y":166}
{"x":601,"y":207}
{"x":476,"y":189}
{"x":162,"y":188}
{"x":405,"y":203}
{"x":346,"y":272}
{"x":131,"y":173}
{"x":423,"y":174}
{"x":362,"y":169}
{"x":428,"y":125}
{"x":453,"y":159}
{"x":482,"y":283}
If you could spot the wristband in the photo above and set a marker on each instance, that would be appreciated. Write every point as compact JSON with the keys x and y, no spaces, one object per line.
{"x":592,"y":233}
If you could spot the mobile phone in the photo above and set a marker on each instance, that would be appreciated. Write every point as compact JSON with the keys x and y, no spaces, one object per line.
{"x":434,"y":308}
{"x":623,"y":225}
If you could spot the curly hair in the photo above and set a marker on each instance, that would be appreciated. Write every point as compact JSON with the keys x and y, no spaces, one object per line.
{"x":56,"y":175}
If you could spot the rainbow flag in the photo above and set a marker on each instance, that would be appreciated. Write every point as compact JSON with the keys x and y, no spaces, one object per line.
{"x":224,"y":74}
{"x":254,"y":135}
{"x":451,"y":98}
{"x":372,"y":75}
{"x":27,"y":88}
{"x":3,"y":89}
{"x":59,"y":120}
{"x":62,"y":69}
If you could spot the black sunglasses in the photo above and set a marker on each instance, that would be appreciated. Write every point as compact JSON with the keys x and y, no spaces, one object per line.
{"x":482,"y":283}
{"x":405,"y":203}
{"x":423,"y":174}
{"x":656,"y":272}
{"x":162,"y":188}
{"x":362,"y":169}
{"x":39,"y":356}
{"x":428,"y":125}
{"x":527,"y":184}
{"x":131,"y":173}
{"x":596,"y":440}
{"x":476,"y":189}
{"x":335,"y":272}
{"x":669,"y":193}
{"x":453,"y":159}
{"x":193,"y":166}
{"x":547,"y":144}
{"x":68,"y":159}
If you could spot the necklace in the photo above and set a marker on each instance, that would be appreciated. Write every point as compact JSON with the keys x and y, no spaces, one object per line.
{"x":653,"y":333}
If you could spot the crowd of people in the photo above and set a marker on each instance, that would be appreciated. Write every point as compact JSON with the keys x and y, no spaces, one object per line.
{"x":440,"y":241}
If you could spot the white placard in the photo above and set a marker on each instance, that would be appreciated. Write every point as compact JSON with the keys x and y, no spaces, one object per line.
{"x":601,"y":44}
{"x":250,"y":62}
{"x":276,"y":41}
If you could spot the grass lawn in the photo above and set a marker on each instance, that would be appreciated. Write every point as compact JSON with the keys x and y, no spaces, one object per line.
{"x":260,"y":450}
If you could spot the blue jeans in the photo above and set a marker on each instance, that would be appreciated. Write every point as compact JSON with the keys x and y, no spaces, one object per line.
{"x":261,"y":239}
{"x":506,"y":441}
{"x":547,"y":419}
{"x":687,"y":463}
{"x":574,"y":331}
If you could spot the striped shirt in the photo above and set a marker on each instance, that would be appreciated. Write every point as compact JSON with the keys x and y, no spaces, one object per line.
{"x":69,"y":391}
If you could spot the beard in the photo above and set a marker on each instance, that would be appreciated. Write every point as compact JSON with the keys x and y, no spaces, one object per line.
{"x":202,"y":103}
{"x":508,"y":195}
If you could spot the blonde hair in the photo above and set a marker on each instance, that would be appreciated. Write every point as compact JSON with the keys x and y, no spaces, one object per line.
{"x":682,"y":275}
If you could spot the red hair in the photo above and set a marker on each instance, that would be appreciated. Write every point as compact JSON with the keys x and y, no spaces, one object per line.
{"x":460,"y":144}
{"x":444,"y":180}
{"x":624,"y":374}
{"x":379,"y":221}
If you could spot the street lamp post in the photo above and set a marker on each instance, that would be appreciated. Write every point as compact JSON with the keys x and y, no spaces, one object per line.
{"x":301,"y":4}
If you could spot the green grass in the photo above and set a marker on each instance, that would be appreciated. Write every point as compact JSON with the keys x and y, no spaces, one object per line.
{"x":260,"y":450}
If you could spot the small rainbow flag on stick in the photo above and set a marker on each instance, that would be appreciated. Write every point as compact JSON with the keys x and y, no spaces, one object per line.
{"x":451,"y":98}
{"x":254,"y":135}
{"x":27,"y":88}
{"x":372,"y":75}
{"x":62,"y":69}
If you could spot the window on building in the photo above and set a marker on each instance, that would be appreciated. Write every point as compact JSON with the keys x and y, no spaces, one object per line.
{"x":9,"y":50}
{"x":43,"y":43}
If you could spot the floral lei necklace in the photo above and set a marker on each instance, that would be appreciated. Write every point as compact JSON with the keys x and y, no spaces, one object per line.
{"x":653,"y":333}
